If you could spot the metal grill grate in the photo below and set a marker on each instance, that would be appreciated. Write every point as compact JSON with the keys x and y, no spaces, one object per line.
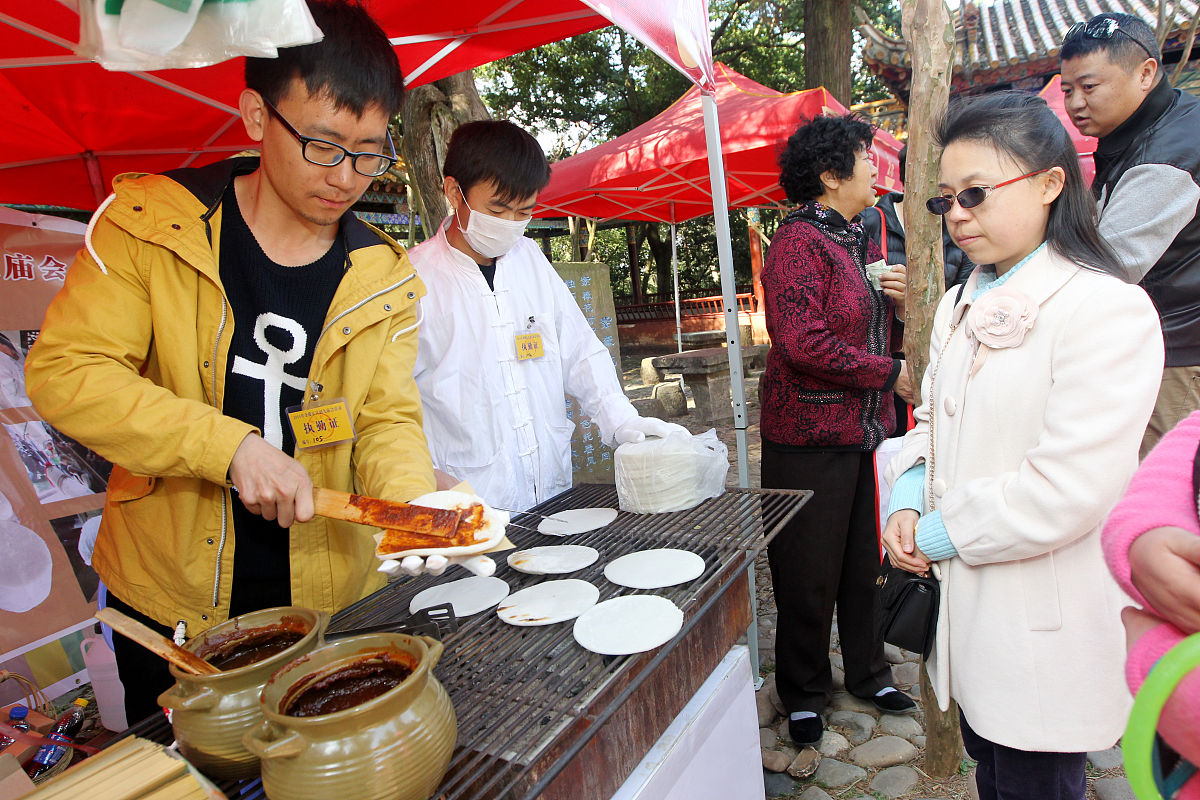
{"x":520,"y":693}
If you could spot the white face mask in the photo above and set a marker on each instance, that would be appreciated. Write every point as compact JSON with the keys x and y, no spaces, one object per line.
{"x":490,"y":236}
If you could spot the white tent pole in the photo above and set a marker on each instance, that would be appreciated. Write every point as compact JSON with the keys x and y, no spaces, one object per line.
{"x":675,"y":274}
{"x":733,"y":335}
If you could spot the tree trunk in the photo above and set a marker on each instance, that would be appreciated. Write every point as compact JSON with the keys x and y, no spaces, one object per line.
{"x":929,"y":36}
{"x":430,"y":114}
{"x":828,"y":37}
{"x":635,"y":268}
{"x":660,"y":249}
{"x":754,"y":224}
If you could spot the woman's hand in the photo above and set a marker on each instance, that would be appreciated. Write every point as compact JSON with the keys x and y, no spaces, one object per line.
{"x":1137,"y":624}
{"x":899,"y":539}
{"x":904,"y":385}
{"x":1165,"y":567}
{"x":894,"y":283}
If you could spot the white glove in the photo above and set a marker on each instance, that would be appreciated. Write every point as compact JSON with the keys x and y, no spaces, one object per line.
{"x":637,"y":429}
{"x":435,"y":565}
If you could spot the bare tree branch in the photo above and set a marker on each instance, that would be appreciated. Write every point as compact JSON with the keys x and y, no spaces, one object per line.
{"x":1187,"y":47}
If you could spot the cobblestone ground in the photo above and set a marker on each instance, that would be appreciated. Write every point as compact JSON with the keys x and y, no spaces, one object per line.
{"x":864,"y":755}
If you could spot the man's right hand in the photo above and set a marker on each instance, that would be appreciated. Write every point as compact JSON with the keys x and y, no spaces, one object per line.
{"x":271,"y":483}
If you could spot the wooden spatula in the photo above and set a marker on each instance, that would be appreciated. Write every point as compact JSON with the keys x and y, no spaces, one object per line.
{"x":386,"y":513}
{"x":155,"y":643}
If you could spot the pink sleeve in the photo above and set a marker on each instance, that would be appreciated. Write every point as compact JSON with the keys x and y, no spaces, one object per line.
{"x":1160,"y":495}
{"x":1177,"y":724}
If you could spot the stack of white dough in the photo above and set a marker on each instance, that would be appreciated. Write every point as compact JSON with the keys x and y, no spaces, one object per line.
{"x":674,"y":473}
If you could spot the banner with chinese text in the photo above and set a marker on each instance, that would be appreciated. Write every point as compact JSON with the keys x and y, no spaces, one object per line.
{"x":51,"y":488}
{"x":592,"y":461}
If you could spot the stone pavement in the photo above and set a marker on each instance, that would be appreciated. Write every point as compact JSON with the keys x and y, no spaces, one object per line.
{"x":864,"y":755}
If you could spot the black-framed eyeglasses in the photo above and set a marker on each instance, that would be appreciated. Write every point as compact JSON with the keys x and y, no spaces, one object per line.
{"x":972,"y":195}
{"x":1103,"y":28}
{"x":327,"y":154}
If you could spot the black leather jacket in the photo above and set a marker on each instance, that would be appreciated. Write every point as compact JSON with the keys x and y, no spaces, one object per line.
{"x":1154,"y":210}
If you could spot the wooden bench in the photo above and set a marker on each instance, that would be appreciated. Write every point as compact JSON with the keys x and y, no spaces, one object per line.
{"x":706,"y":373}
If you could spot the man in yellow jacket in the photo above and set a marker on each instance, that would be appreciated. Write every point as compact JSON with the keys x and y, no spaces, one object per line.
{"x":210,"y":303}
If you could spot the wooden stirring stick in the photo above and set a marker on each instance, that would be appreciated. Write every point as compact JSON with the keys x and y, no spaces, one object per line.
{"x":155,"y":643}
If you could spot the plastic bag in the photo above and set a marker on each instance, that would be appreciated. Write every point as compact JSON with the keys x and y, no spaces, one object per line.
{"x":670,"y":474}
{"x":129,"y":35}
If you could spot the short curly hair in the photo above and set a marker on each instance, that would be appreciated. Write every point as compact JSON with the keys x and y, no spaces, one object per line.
{"x":821,"y":145}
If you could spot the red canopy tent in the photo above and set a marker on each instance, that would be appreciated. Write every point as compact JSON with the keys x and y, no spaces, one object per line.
{"x":1086,"y":145}
{"x":659,"y":170}
{"x":72,"y":126}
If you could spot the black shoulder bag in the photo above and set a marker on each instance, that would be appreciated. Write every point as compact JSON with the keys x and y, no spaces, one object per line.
{"x":909,"y":603}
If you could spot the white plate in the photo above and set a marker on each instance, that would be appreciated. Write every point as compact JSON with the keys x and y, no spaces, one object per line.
{"x":548,"y":602}
{"x":655,"y":569}
{"x":629,"y":624}
{"x":553,"y":560}
{"x":576,"y":520}
{"x":468,"y":596}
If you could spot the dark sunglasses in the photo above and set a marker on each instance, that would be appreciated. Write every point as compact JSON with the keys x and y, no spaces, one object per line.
{"x":1105,"y":28}
{"x":972,"y":195}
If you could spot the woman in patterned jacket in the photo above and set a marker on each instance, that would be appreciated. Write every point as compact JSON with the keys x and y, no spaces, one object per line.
{"x":826,"y":405}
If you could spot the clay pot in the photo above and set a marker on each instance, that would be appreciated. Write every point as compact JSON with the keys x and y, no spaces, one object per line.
{"x":211,"y":712}
{"x":395,"y":746}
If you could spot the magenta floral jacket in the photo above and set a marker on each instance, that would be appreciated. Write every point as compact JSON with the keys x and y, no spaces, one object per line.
{"x":830,"y":371}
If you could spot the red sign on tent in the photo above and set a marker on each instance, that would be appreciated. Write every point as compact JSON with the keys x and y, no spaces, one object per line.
{"x":659,"y":170}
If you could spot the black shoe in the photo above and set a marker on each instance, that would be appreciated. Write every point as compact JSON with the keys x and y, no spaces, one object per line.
{"x":896,"y":702}
{"x":806,"y":732}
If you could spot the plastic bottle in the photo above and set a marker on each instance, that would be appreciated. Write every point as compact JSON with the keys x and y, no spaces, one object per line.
{"x":64,"y":730}
{"x":16,"y":719}
{"x":101,"y":665}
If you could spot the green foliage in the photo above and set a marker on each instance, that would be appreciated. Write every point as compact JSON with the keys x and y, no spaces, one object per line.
{"x":594,"y":87}
{"x":885,"y":15}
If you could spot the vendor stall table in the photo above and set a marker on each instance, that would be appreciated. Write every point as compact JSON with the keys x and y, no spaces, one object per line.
{"x":539,"y":716}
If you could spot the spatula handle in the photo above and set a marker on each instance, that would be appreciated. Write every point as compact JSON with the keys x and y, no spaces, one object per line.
{"x":155,"y":642}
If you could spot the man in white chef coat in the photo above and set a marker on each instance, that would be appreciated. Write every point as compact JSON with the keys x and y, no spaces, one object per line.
{"x":502,"y":342}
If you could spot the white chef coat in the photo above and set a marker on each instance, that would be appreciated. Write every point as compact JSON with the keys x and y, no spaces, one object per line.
{"x":493,"y":420}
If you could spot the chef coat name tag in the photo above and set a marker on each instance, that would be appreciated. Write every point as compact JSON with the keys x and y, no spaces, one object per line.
{"x":529,"y":345}
{"x":323,"y":425}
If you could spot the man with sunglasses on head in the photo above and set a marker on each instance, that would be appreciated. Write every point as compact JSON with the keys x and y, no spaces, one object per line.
{"x":1147,"y":185}
{"x":210,"y":304}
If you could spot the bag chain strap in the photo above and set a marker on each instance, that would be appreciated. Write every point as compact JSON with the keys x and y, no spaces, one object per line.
{"x":933,"y":413}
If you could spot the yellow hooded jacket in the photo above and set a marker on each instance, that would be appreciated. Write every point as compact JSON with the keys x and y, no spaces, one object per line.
{"x":131,"y":362}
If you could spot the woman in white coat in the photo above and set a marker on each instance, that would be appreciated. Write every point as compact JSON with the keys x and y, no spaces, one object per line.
{"x":1043,"y":371}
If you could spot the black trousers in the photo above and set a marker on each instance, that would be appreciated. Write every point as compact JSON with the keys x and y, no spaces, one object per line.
{"x":827,"y":555}
{"x":143,"y":674}
{"x":1005,"y":773}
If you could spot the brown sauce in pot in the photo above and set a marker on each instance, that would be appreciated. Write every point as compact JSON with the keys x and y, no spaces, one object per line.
{"x":252,"y":649}
{"x":348,"y":686}
{"x":249,"y":646}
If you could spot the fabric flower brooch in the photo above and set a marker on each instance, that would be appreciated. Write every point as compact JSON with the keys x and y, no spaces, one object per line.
{"x":999,"y":319}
